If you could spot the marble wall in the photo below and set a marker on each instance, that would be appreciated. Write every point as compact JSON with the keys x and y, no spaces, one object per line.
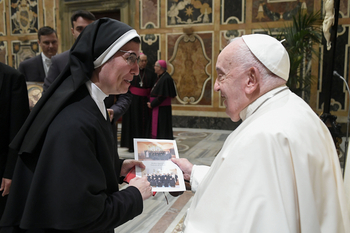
{"x":189,"y":35}
{"x":339,"y":96}
{"x":19,"y":24}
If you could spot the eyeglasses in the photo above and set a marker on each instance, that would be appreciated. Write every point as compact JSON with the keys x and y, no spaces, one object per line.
{"x":131,"y":59}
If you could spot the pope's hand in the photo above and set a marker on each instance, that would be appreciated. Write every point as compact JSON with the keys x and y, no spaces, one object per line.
{"x":185,"y":166}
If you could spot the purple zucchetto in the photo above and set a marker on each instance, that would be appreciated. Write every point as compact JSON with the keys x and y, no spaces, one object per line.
{"x":163,"y":64}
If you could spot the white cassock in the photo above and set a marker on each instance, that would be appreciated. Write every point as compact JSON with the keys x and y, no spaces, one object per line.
{"x":278,"y":172}
{"x":347,"y":177}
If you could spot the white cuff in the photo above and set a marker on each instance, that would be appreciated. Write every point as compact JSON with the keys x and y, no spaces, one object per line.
{"x":197,"y":175}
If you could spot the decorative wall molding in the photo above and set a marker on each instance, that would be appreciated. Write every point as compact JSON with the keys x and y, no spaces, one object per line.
{"x":3,"y":20}
{"x":162,"y":23}
{"x":49,"y":12}
{"x":24,"y":17}
{"x":150,"y":45}
{"x":67,"y":8}
{"x":232,"y":11}
{"x":191,"y":67}
{"x":184,"y":12}
{"x":23,"y":50}
{"x":4,"y":52}
{"x":227,"y":35}
{"x":279,"y":10}
{"x":149,"y":14}
{"x":339,"y":101}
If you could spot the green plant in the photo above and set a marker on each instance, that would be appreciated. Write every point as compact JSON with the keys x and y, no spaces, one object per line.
{"x":300,"y":38}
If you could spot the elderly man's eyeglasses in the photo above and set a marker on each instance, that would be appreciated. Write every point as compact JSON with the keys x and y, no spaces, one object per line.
{"x":130,"y":57}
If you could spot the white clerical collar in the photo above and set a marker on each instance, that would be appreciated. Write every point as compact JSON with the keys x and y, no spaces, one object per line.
{"x":250,"y":109}
{"x":98,"y":96}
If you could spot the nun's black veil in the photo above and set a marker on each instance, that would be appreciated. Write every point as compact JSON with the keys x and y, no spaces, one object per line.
{"x":92,"y":42}
{"x":88,"y":185}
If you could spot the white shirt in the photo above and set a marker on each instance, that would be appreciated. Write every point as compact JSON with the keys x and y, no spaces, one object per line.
{"x":46,"y":63}
{"x":98,"y":96}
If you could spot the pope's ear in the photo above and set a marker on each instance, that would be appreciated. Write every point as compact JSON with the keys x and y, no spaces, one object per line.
{"x":253,"y":79}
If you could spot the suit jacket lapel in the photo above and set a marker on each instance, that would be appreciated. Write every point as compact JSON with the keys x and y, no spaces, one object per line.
{"x":42,"y":71}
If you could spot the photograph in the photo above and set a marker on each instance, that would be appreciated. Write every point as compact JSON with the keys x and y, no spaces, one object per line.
{"x":35,"y":91}
{"x":161,"y":172}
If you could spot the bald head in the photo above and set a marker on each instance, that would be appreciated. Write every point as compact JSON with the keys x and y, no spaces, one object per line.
{"x":143,"y":61}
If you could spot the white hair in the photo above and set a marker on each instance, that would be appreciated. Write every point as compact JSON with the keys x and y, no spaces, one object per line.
{"x":246,"y":59}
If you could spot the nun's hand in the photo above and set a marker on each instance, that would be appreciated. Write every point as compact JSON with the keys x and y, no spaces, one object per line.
{"x":128,"y":164}
{"x":5,"y":186}
{"x":143,"y":186}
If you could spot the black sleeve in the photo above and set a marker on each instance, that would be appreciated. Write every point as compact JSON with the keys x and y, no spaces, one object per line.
{"x":75,"y":185}
{"x":122,"y":105}
{"x":19,"y":110}
{"x":158,"y":101}
{"x":113,"y":215}
{"x":21,"y":70}
{"x":119,"y":163}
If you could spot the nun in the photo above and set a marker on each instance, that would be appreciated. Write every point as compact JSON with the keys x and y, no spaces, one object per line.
{"x":67,"y":173}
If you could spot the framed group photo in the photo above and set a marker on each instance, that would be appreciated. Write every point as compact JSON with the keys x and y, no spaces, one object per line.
{"x":161,"y":172}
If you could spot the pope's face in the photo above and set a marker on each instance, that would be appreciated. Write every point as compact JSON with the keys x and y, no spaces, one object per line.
{"x":231,"y":82}
{"x":115,"y":75}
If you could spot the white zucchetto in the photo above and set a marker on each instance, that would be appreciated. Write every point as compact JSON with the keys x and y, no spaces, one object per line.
{"x":270,"y":52}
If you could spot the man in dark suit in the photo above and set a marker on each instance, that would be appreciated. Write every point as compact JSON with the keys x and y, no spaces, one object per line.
{"x":14,"y":109}
{"x":35,"y":69}
{"x":79,"y":20}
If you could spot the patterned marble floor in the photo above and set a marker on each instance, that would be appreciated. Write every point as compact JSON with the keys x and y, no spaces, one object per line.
{"x":163,"y":212}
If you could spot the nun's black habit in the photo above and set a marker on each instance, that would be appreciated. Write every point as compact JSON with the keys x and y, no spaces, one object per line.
{"x":67,"y":174}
